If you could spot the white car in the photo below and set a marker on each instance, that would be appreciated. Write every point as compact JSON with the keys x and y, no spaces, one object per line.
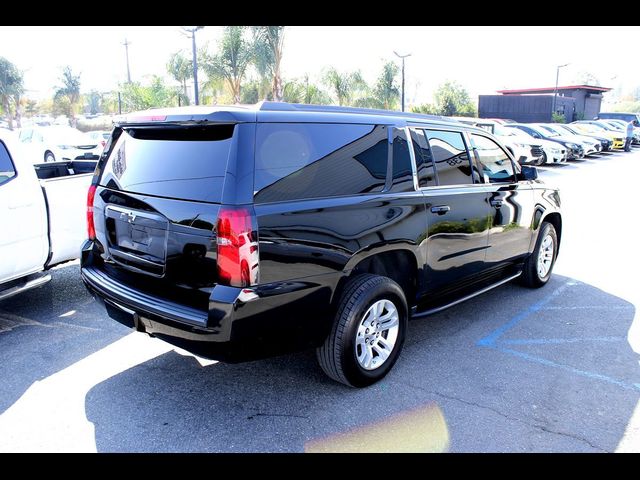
{"x":524,"y":150}
{"x":552,"y":152}
{"x":590,"y":145}
{"x":58,"y":143}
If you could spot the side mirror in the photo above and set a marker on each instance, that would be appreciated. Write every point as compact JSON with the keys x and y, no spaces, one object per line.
{"x":528,"y":173}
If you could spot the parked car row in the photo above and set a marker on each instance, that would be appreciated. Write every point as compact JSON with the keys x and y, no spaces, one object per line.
{"x":61,"y":143}
{"x":540,"y":143}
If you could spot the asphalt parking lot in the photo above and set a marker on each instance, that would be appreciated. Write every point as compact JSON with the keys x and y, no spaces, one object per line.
{"x":515,"y":370}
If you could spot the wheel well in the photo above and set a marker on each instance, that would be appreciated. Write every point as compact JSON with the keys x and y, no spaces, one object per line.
{"x":556,"y":220}
{"x":398,"y":265}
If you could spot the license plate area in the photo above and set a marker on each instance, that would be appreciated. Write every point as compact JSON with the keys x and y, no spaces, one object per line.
{"x":137,"y":240}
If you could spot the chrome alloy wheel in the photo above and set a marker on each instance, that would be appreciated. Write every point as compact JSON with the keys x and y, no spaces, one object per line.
{"x":377,"y":334}
{"x":545,"y":256}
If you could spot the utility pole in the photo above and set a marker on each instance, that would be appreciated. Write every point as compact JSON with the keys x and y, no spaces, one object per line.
{"x":555,"y":90}
{"x":192,"y":31}
{"x":402,"y":57}
{"x":126,"y":49}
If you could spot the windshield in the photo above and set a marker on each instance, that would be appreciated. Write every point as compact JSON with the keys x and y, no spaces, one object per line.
{"x":546,"y":131}
{"x":503,"y":132}
{"x":564,"y":129}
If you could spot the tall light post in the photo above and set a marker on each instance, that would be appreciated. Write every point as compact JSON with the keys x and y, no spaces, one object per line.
{"x":402,"y":57}
{"x":126,"y":49}
{"x":555,"y":90}
{"x":192,"y":31}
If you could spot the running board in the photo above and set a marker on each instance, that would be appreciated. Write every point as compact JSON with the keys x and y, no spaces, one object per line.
{"x":431,"y":311}
{"x":28,"y":285}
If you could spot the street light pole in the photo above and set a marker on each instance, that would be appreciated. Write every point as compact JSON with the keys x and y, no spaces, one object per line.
{"x":126,"y":49}
{"x":193,"y":31}
{"x":402,"y":57}
{"x":555,"y":90}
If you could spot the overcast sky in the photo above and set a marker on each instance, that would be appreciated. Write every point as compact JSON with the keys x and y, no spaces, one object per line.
{"x":482,"y":59}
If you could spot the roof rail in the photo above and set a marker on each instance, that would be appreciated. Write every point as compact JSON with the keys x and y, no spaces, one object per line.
{"x":298,"y":107}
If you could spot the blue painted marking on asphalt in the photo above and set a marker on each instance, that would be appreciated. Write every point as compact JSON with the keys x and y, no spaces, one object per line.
{"x":555,"y":341}
{"x":491,"y":341}
{"x":584,"y":373}
{"x":493,"y":337}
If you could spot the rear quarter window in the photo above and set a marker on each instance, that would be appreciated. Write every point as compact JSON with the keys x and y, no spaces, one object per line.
{"x":300,"y":161}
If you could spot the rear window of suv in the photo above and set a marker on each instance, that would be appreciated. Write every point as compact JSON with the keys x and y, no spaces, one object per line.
{"x":187,"y":163}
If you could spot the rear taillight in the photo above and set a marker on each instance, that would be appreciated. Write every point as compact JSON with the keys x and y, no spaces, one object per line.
{"x":238,"y":254}
{"x":91,"y":229}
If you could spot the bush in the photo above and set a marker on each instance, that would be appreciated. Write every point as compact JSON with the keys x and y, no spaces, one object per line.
{"x":558,"y":117}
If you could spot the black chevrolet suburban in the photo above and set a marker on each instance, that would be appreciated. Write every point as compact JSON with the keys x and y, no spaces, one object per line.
{"x":241,"y":232}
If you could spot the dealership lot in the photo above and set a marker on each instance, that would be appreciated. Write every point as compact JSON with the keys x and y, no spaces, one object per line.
{"x":514,"y":370}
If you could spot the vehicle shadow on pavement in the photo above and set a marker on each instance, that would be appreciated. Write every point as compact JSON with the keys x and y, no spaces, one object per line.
{"x":513,"y":370}
{"x":45,"y":330}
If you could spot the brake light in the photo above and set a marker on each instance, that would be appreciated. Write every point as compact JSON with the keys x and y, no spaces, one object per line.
{"x":237,"y":243}
{"x":91,"y":229}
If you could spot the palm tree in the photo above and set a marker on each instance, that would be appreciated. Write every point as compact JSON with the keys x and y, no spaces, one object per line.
{"x":268,"y":44}
{"x":231,"y":61}
{"x":386,"y":91}
{"x":11,"y":88}
{"x":68,"y":95}
{"x":345,"y":86}
{"x":180,"y":67}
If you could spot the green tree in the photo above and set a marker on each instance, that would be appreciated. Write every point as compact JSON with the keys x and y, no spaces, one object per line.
{"x":268,"y":50}
{"x":180,"y":67}
{"x":345,"y":86}
{"x":31,"y":107}
{"x":313,"y":94}
{"x":232,"y":59}
{"x":250,"y":92}
{"x":450,"y":99}
{"x":427,"y":108}
{"x":303,"y":91}
{"x":11,"y":89}
{"x":386,"y":91}
{"x":67,"y":96}
{"x":136,"y":96}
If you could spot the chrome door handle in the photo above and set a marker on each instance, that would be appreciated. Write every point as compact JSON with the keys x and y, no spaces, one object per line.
{"x":440,"y":209}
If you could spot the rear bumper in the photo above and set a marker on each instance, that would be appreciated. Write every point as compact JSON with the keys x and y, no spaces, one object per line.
{"x":239,"y":324}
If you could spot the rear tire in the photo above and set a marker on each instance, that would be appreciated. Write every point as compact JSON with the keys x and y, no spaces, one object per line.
{"x":368,"y":331}
{"x":539,"y":265}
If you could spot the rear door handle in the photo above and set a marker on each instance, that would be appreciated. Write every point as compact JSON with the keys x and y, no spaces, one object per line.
{"x":440,"y":209}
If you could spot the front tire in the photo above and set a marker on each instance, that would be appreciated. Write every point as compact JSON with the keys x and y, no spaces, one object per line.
{"x":49,"y":156}
{"x":368,"y":331}
{"x":539,"y":265}
{"x":542,"y":160}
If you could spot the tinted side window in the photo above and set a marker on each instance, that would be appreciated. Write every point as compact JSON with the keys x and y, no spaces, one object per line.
{"x":424,"y":159}
{"x":450,"y":156}
{"x":7,"y":171}
{"x":402,"y":171}
{"x":495,"y":163}
{"x":297,"y":161}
